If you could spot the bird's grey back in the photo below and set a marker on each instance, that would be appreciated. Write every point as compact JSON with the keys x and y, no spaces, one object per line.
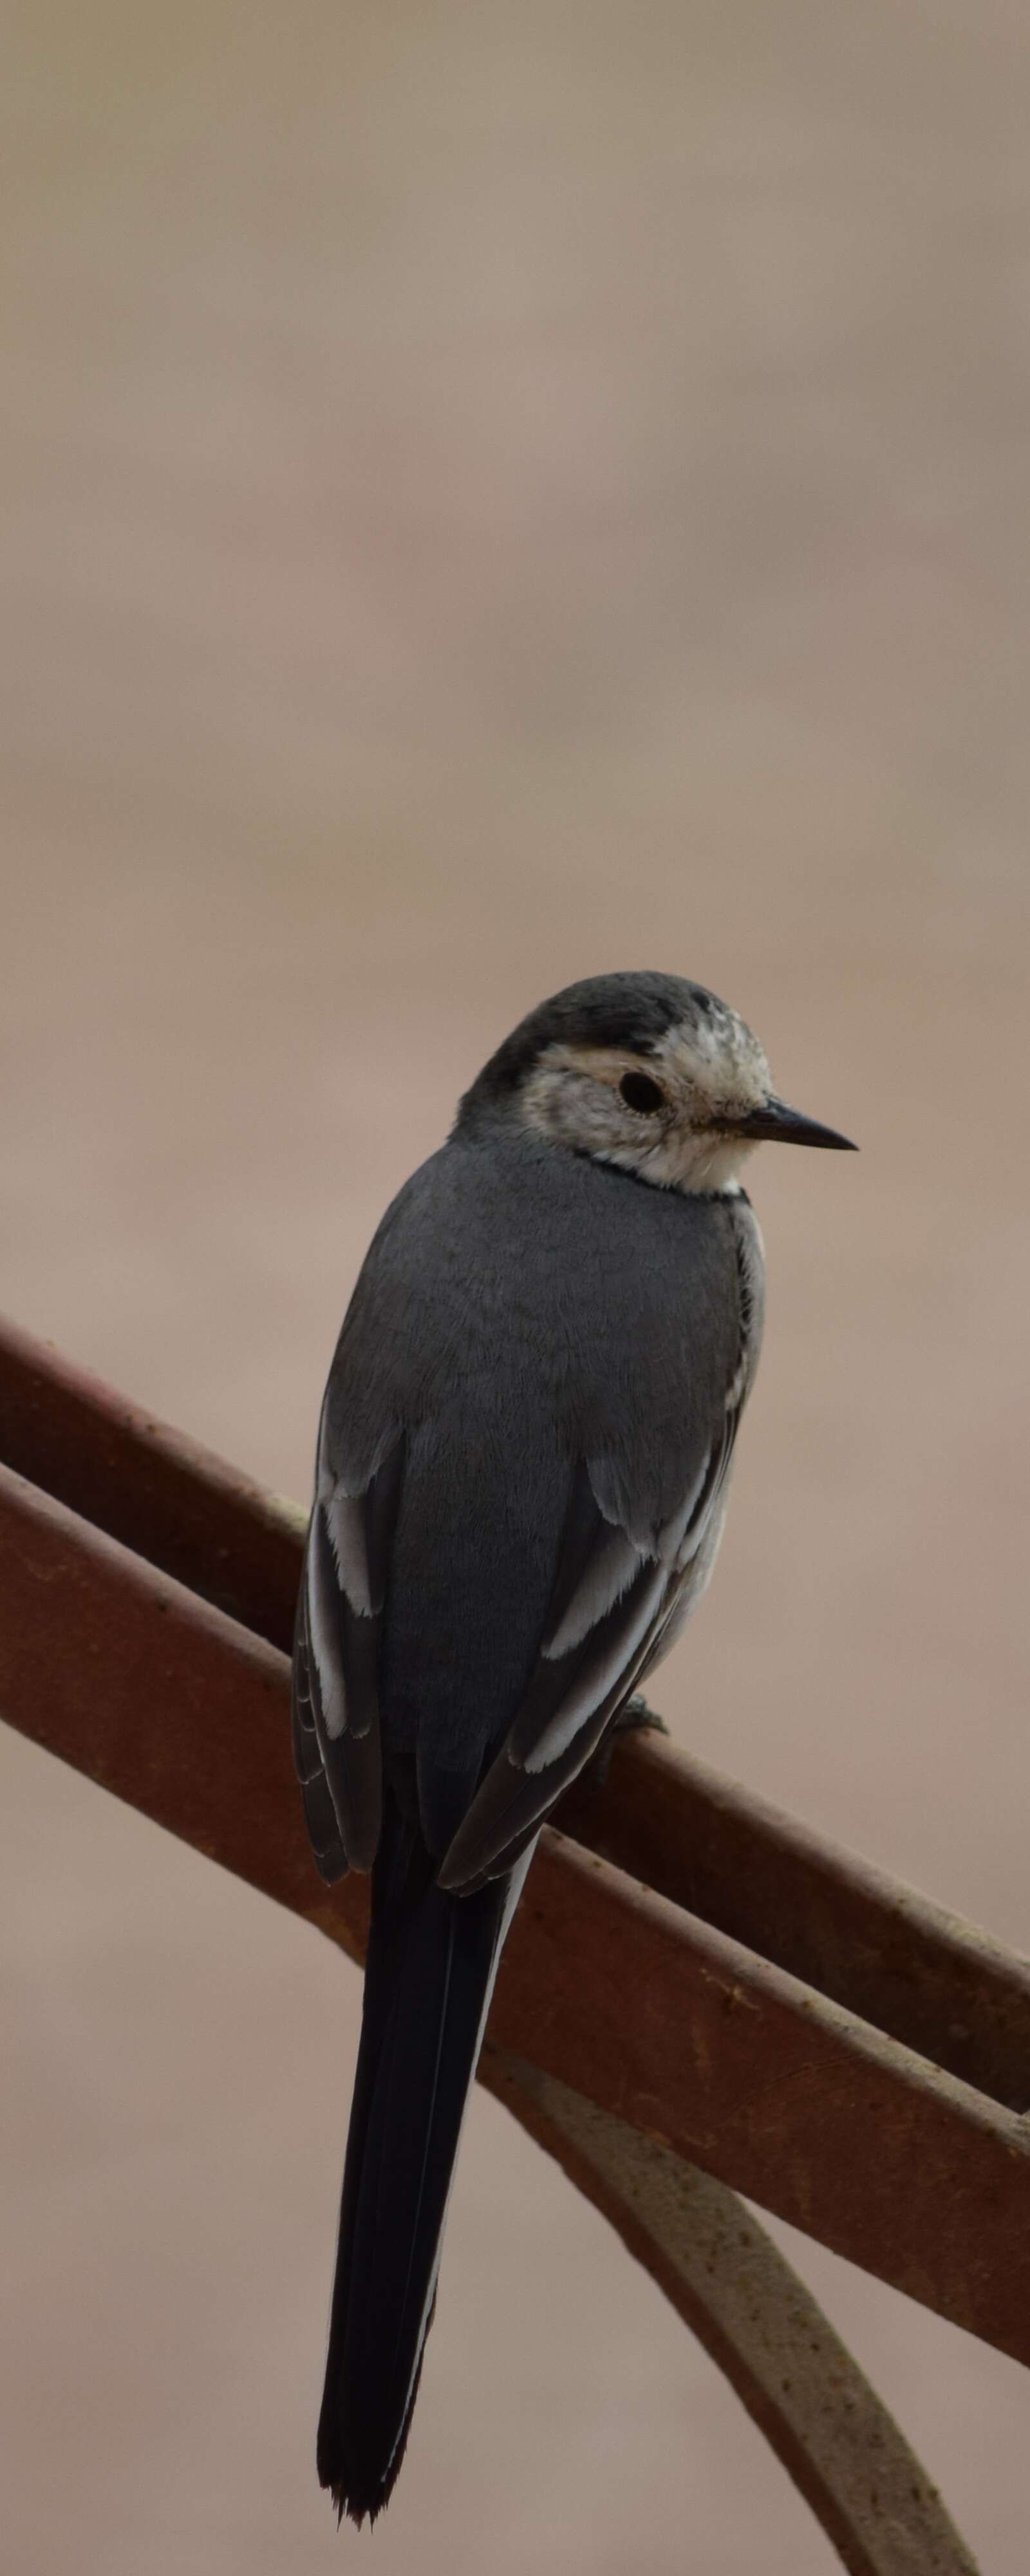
{"x":520,"y":1309}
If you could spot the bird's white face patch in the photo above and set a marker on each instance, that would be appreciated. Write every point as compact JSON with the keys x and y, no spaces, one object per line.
{"x":709,"y":1071}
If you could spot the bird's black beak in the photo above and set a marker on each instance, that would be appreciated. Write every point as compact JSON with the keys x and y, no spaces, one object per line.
{"x":777,"y":1124}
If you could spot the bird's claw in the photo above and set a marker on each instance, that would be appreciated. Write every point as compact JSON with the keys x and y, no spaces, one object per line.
{"x":635,"y":1718}
{"x":638,"y":1715}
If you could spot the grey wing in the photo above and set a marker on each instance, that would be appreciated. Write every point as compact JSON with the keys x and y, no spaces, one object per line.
{"x":623,"y":1587}
{"x":335,"y":1697}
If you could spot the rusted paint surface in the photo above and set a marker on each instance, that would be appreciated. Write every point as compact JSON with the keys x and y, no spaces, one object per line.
{"x":920,"y":1974}
{"x":153,"y":1693}
{"x":780,"y":2092}
{"x":752,"y":2313}
{"x":168,"y":1498}
{"x":927,"y":1977}
{"x":649,"y":2013}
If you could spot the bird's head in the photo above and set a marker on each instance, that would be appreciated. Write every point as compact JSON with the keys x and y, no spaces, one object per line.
{"x":648,"y":1072}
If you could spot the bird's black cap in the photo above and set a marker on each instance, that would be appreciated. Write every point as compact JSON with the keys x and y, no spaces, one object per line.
{"x":631,"y":1010}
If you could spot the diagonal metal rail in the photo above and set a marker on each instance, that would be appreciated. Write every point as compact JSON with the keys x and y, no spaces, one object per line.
{"x":809,"y":2032}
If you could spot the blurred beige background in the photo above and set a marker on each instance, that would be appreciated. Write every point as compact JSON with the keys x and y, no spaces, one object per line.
{"x":492,"y":495}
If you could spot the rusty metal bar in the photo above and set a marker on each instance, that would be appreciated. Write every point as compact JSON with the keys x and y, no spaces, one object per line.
{"x":166,"y":1497}
{"x":937,"y":1983}
{"x":920,"y":1974}
{"x":755,"y":2317}
{"x":725,"y":2058}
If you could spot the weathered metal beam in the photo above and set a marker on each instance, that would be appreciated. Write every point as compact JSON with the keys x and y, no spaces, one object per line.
{"x":724,"y":2057}
{"x":920,"y":1974}
{"x":939,"y":1984}
{"x":167,"y":1497}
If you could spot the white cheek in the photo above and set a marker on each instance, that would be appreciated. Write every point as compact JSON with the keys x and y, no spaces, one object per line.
{"x":587,"y":1115}
{"x":717,"y":1162}
{"x":686,"y":1159}
{"x":574,"y":1110}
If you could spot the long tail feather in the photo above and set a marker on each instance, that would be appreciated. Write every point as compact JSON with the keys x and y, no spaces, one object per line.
{"x":431,"y":1965}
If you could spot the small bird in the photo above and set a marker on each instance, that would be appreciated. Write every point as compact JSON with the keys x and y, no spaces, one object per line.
{"x":520,"y":1488}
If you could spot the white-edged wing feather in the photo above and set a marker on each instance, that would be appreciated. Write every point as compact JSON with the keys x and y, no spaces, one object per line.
{"x":616,"y":1597}
{"x":336,"y":1658}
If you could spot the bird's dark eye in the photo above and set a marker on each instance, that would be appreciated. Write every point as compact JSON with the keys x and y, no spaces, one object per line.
{"x":639,"y":1092}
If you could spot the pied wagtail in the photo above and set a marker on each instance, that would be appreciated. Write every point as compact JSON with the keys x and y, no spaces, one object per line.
{"x":521,"y":1482}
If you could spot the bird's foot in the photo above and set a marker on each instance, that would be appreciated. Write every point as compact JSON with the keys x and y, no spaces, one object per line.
{"x":635,"y":1718}
{"x":636,"y":1715}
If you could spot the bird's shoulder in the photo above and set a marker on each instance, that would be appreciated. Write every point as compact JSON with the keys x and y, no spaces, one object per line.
{"x":530,"y":1307}
{"x":508,"y":1216}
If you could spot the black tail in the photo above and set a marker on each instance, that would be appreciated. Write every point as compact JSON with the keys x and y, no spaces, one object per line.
{"x":431,"y":1961}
